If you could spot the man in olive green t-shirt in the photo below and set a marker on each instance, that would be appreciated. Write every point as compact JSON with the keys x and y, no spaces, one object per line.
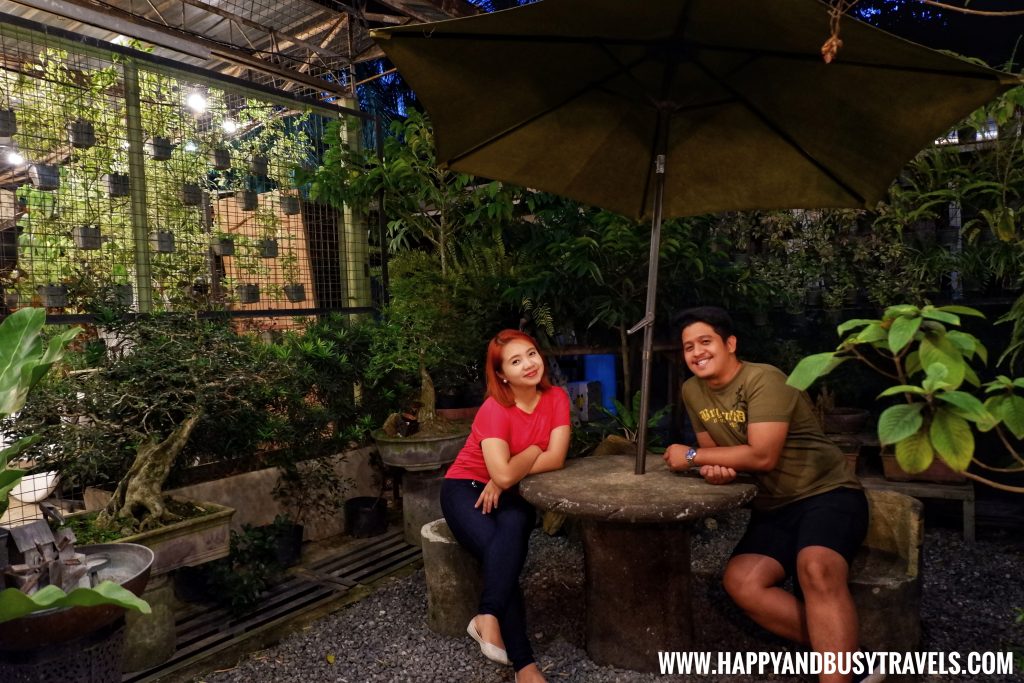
{"x":810,"y":514}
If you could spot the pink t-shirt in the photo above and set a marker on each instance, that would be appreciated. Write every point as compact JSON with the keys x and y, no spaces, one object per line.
{"x":518,"y":429}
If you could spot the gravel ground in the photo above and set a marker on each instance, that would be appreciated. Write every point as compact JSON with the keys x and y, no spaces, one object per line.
{"x":970,"y":597}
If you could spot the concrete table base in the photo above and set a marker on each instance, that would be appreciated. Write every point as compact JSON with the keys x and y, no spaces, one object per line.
{"x":421,"y":501}
{"x":638,"y":592}
{"x":636,"y":545}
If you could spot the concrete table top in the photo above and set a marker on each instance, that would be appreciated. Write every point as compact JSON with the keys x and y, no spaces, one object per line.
{"x":604,"y":487}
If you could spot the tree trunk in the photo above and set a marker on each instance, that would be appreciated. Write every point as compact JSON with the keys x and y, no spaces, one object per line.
{"x":139,"y":495}
{"x":428,"y":398}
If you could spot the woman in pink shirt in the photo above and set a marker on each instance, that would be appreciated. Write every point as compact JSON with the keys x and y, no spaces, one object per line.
{"x":522,"y":428}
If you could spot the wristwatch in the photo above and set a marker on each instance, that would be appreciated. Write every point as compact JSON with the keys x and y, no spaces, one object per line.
{"x":691,"y":453}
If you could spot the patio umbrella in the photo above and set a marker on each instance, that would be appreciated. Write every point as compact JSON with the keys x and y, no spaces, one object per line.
{"x":668,"y":108}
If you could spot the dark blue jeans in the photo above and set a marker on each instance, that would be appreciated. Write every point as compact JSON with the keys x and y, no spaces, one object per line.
{"x":500,"y":541}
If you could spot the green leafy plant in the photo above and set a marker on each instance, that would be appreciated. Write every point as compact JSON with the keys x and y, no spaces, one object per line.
{"x":627,"y":419}
{"x":928,"y":360}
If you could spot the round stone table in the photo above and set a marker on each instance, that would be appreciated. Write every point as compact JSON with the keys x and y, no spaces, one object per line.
{"x":636,"y":546}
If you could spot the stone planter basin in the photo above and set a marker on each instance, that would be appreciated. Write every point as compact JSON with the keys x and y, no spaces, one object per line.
{"x":130,"y":565}
{"x":418,"y":453}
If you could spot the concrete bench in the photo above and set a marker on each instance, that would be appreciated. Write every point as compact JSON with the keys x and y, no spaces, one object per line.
{"x":885,"y":583}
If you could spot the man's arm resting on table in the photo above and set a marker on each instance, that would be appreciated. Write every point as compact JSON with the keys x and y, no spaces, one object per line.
{"x":765,"y":441}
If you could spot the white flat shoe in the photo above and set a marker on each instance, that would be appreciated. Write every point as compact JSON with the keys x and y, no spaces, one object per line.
{"x":492,"y":652}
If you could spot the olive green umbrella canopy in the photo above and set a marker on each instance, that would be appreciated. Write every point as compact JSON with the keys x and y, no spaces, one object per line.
{"x":683,"y":107}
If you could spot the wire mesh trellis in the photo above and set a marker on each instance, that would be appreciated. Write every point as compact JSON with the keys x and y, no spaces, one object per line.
{"x":126,"y":183}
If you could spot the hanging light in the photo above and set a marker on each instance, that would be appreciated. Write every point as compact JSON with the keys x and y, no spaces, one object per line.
{"x":14,"y":158}
{"x":196,"y":102}
{"x":229,"y":126}
{"x":191,"y":146}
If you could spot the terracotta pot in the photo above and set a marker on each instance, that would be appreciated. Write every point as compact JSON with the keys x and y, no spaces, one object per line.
{"x":938,"y":471}
{"x":845,"y":420}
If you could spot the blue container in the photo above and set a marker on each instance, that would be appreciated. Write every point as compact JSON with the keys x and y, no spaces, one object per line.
{"x":601,"y":368}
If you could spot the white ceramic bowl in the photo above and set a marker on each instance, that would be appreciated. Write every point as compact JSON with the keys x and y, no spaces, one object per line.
{"x":35,"y":487}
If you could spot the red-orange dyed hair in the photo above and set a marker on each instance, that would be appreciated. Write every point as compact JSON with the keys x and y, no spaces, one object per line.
{"x":501,"y":392}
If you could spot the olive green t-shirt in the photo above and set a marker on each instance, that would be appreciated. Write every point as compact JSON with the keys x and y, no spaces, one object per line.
{"x":810,"y":463}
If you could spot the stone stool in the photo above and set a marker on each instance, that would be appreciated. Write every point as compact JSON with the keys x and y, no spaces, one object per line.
{"x":885,"y":578}
{"x":453,"y":578}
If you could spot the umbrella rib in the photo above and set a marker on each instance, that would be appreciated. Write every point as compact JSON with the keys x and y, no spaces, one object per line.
{"x":783,"y":135}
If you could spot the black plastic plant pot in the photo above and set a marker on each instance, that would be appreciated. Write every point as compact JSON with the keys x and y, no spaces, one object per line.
{"x":11,"y":300}
{"x":366,"y":516}
{"x":247,"y":200}
{"x":123,"y":295}
{"x":81,"y":134}
{"x":288,"y":544}
{"x":258,"y":166}
{"x":268,"y":248}
{"x":290,"y":205}
{"x":248,"y":294}
{"x":159,"y":148}
{"x":52,"y":296}
{"x":118,"y":185}
{"x":86,"y":236}
{"x":161,"y":241}
{"x":44,"y":176}
{"x":220,"y":158}
{"x":295,"y":293}
{"x":8,"y":123}
{"x":190,"y":194}
{"x":223,"y":246}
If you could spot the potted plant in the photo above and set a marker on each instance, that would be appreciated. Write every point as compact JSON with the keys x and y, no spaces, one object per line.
{"x":81,"y":134}
{"x":220,"y":158}
{"x":35,"y":626}
{"x":248,"y":293}
{"x":928,"y":361}
{"x":222,"y":245}
{"x":294,"y":290}
{"x":8,"y":117}
{"x":161,"y":241}
{"x":44,"y":176}
{"x":87,"y":236}
{"x":247,"y":200}
{"x":290,"y":205}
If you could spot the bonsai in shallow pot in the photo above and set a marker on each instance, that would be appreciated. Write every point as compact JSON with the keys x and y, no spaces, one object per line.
{"x":928,"y":360}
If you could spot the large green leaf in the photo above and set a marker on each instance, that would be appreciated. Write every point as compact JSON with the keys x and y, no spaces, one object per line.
{"x":15,"y":604}
{"x":962,"y":310}
{"x":903,"y":389}
{"x":898,"y":422}
{"x":965,"y":405}
{"x":1009,"y":408}
{"x":871,"y":334}
{"x":952,"y":438}
{"x":935,"y":348}
{"x":812,"y":367}
{"x":853,"y":324}
{"x":15,"y":449}
{"x":902,"y":332}
{"x":942,"y":316}
{"x":914,"y":454}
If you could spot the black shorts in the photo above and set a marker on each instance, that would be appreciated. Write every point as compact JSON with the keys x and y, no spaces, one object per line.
{"x":836,"y":519}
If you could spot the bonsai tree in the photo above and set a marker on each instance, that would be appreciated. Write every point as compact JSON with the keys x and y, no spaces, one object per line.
{"x":23,"y":362}
{"x":927,"y":358}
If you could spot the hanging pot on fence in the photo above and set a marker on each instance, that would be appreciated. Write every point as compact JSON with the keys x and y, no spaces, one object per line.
{"x":220,"y":158}
{"x":290,"y":205}
{"x":258,"y":166}
{"x":248,"y":294}
{"x":366,"y":516}
{"x":268,"y":248}
{"x":123,"y":295}
{"x":52,"y":296}
{"x":295,"y":292}
{"x":161,"y":241}
{"x":118,"y":184}
{"x":190,"y":194}
{"x":81,"y":134}
{"x":247,"y":200}
{"x":223,"y":246}
{"x":8,"y":123}
{"x":159,"y":148}
{"x":86,"y":236}
{"x":44,"y":176}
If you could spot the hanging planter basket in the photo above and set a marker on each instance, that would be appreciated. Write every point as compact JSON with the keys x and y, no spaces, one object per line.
{"x":44,"y":176}
{"x":268,"y":248}
{"x":81,"y":134}
{"x":223,"y":246}
{"x":247,"y":200}
{"x":8,"y":123}
{"x":248,"y":294}
{"x":190,"y":194}
{"x":220,"y":158}
{"x":118,"y":185}
{"x":123,"y":295}
{"x":161,"y":241}
{"x":258,"y":166}
{"x":86,"y":236}
{"x":290,"y":205}
{"x":159,"y":148}
{"x":52,"y":296}
{"x":295,"y":292}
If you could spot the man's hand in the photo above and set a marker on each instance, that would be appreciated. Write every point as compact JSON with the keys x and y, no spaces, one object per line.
{"x":717,"y":474}
{"x":675,"y":457}
{"x":488,"y":499}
